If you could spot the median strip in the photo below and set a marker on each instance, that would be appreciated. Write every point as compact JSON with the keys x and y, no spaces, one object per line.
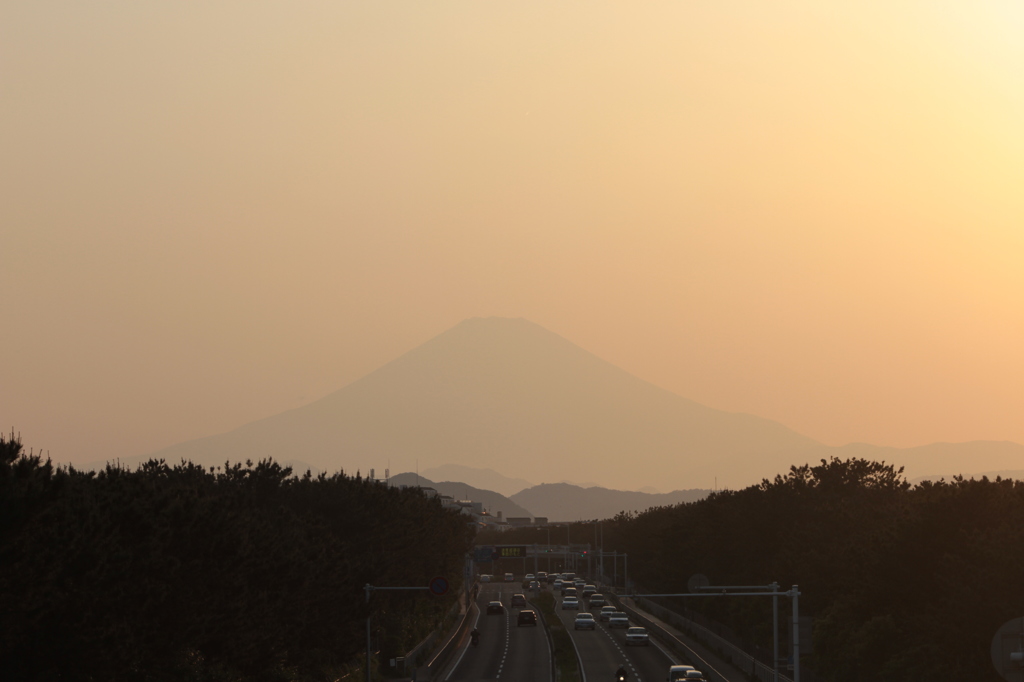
{"x":567,"y":665}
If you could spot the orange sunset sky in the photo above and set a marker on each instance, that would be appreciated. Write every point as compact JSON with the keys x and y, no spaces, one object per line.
{"x":215,"y":212}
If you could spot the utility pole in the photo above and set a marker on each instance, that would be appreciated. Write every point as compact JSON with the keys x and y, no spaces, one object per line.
{"x":796,"y":634}
{"x":775,"y":629}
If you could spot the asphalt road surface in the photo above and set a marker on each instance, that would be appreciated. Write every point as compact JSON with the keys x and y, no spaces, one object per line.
{"x":604,"y":649}
{"x":506,"y":651}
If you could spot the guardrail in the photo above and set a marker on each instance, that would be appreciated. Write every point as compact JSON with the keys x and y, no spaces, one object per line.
{"x":729,"y":651}
{"x":673,"y":642}
{"x":440,"y":659}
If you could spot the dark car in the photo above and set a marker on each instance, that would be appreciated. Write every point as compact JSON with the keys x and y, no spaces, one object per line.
{"x":527,"y":617}
{"x":518,"y":601}
{"x":495,"y":607}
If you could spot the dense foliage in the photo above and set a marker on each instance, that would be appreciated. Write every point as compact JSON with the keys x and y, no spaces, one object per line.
{"x":243,"y":572}
{"x":904,"y":582}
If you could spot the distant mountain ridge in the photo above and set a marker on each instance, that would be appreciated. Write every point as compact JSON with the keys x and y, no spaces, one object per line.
{"x":492,"y":502}
{"x":567,"y":502}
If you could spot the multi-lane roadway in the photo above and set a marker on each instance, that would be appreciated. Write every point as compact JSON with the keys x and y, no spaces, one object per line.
{"x":604,"y":649}
{"x":506,"y":651}
{"x":522,"y":654}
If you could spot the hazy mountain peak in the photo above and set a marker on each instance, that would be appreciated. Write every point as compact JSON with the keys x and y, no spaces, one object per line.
{"x":508,"y":394}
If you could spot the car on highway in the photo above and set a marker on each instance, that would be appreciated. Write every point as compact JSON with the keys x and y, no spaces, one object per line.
{"x":529,"y":577}
{"x":597,"y":600}
{"x":509,"y":578}
{"x":518,"y":601}
{"x":526,"y":617}
{"x":534,"y":585}
{"x":570,"y":603}
{"x":695,"y":676}
{"x":618,"y":619}
{"x":495,"y":608}
{"x":542,"y":576}
{"x":637,"y":637}
{"x":485,"y":578}
{"x":569,"y":591}
{"x":678,"y":672}
{"x":605,"y":612}
{"x":585,"y":621}
{"x":557,"y":585}
{"x":588,"y":590}
{"x":579,"y":583}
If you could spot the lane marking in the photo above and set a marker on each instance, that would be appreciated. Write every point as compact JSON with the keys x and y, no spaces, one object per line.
{"x":572,"y":638}
{"x":504,"y":655}
{"x":625,"y":658}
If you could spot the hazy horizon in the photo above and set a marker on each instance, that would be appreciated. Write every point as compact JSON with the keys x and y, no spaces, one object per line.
{"x":215,"y":214}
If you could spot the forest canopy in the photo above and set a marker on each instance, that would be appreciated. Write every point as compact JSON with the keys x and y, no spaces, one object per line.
{"x":183,"y":572}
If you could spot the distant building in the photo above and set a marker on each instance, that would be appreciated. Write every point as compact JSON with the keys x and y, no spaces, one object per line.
{"x":519,"y":521}
{"x":540,"y":520}
{"x":475,"y":507}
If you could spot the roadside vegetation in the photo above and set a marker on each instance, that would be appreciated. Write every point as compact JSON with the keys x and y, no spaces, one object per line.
{"x":183,"y":573}
{"x":566,"y":664}
{"x":903,"y":582}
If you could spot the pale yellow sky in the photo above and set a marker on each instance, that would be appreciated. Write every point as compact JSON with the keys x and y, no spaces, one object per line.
{"x":214,"y":212}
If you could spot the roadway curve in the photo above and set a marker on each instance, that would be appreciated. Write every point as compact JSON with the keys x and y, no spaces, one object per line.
{"x":602,"y":651}
{"x":506,"y":652}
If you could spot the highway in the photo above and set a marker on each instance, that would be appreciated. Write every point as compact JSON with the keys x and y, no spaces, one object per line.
{"x":506,"y":651}
{"x":522,"y":654}
{"x":604,"y":649}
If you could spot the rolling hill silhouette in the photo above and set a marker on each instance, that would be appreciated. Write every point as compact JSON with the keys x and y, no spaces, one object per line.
{"x":492,"y":502}
{"x":567,"y":502}
{"x":510,"y":395}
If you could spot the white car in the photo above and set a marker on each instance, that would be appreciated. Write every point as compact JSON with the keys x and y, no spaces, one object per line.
{"x":637,"y":637}
{"x":678,"y":672}
{"x":606,"y":612}
{"x":571,"y":603}
{"x":618,"y":620}
{"x":585,"y":621}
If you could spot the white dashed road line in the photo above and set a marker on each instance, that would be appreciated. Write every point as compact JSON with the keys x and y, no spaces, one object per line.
{"x":504,"y":654}
{"x":608,"y":633}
